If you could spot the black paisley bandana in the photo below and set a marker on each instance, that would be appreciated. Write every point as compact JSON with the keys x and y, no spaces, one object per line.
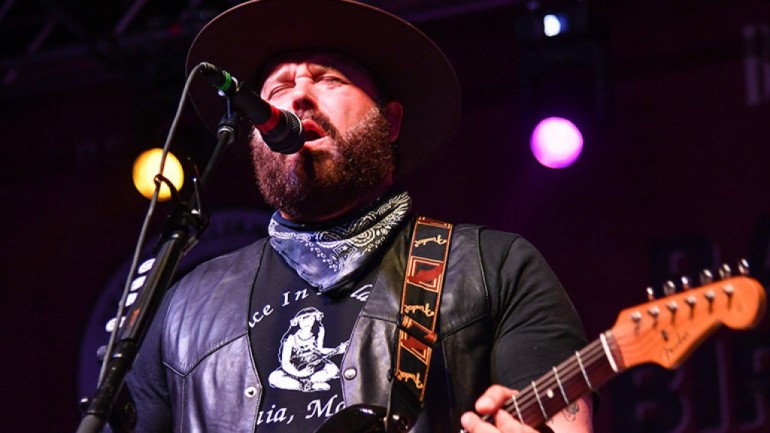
{"x":329,"y":256}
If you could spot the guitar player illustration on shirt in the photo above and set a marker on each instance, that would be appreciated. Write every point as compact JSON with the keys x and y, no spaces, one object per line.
{"x":305,"y":363}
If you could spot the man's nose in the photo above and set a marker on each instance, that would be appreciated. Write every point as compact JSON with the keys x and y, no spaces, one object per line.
{"x":303,"y":96}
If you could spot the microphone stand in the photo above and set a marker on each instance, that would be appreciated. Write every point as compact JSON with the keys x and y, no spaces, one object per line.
{"x":111,"y":401}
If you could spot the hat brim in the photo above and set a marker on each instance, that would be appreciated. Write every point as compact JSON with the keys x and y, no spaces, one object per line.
{"x":412,"y":68}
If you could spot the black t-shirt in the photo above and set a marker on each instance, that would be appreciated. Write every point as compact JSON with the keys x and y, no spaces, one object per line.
{"x":299,"y":337}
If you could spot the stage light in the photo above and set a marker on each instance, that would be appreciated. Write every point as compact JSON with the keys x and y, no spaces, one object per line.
{"x":556,"y":142}
{"x":554,"y":25}
{"x":147,"y":166}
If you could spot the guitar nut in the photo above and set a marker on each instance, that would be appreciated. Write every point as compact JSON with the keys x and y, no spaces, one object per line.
{"x":350,"y":373}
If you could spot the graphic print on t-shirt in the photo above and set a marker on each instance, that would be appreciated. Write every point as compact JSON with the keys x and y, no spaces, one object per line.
{"x":299,"y":338}
{"x":305,"y":363}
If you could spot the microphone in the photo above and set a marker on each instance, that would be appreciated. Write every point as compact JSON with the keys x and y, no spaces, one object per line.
{"x":280,"y":129}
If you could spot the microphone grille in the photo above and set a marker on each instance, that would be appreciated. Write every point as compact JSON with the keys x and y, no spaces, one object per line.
{"x":292,"y":140}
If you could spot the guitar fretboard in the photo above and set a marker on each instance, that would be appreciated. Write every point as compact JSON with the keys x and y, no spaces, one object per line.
{"x":585,"y":371}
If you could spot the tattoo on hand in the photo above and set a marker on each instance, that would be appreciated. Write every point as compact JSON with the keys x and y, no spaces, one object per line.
{"x":571,"y":412}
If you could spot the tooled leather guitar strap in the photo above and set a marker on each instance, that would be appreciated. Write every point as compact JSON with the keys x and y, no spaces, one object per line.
{"x":418,"y":319}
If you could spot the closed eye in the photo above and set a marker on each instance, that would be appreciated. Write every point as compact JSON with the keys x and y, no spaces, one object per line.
{"x":332,"y":80}
{"x":277,"y":90}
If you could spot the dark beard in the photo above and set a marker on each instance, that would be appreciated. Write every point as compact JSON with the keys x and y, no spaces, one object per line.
{"x":320,"y":183}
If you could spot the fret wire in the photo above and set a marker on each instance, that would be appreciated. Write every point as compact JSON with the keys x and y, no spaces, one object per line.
{"x":518,"y":411}
{"x":591,"y":353}
{"x":582,"y":368}
{"x":540,"y":403}
{"x":561,"y":387}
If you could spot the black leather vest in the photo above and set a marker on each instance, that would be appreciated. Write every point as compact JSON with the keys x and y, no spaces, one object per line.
{"x":213,"y":381}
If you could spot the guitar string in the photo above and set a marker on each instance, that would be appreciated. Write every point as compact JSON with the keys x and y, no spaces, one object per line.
{"x":590,"y":354}
{"x":568,"y":370}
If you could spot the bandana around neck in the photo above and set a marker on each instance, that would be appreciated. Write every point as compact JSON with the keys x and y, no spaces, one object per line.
{"x":330,"y":256}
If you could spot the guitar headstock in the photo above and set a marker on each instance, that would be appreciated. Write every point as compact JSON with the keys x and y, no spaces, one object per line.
{"x":667,"y":330}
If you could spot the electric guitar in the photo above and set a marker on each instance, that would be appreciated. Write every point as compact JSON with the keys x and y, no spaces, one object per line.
{"x":316,"y":358}
{"x":664,"y":331}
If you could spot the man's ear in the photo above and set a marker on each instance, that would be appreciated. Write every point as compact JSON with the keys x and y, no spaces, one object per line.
{"x":394,"y":113}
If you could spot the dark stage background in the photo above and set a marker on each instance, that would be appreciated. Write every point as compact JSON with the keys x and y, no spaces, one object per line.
{"x":673,"y":97}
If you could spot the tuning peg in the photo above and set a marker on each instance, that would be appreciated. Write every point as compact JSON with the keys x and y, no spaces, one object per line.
{"x":706,"y":277}
{"x":725,"y":272}
{"x":669,"y":288}
{"x":654,"y":312}
{"x":685,"y":283}
{"x":673,"y":307}
{"x":650,"y":294}
{"x":743,"y":267}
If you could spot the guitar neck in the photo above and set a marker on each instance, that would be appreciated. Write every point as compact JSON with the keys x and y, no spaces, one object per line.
{"x":663,"y":331}
{"x":582,"y":373}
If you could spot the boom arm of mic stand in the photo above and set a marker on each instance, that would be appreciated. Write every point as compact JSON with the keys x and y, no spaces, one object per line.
{"x":176,"y":240}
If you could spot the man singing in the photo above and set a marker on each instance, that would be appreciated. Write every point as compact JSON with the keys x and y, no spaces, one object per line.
{"x":284,"y":333}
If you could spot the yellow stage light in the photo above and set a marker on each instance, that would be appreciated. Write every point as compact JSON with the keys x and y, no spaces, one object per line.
{"x":147,"y":166}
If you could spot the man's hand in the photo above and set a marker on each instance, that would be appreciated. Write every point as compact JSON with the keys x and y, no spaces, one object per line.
{"x":576,"y":418}
{"x":489,"y":404}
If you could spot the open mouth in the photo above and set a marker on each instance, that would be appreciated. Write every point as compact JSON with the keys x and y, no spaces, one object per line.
{"x":312,"y":131}
{"x":311,"y":135}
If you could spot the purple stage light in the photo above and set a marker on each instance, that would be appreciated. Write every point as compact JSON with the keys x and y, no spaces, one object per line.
{"x":556,"y":142}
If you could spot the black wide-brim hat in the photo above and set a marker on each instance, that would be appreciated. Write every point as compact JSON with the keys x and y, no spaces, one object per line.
{"x":413,"y":70}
